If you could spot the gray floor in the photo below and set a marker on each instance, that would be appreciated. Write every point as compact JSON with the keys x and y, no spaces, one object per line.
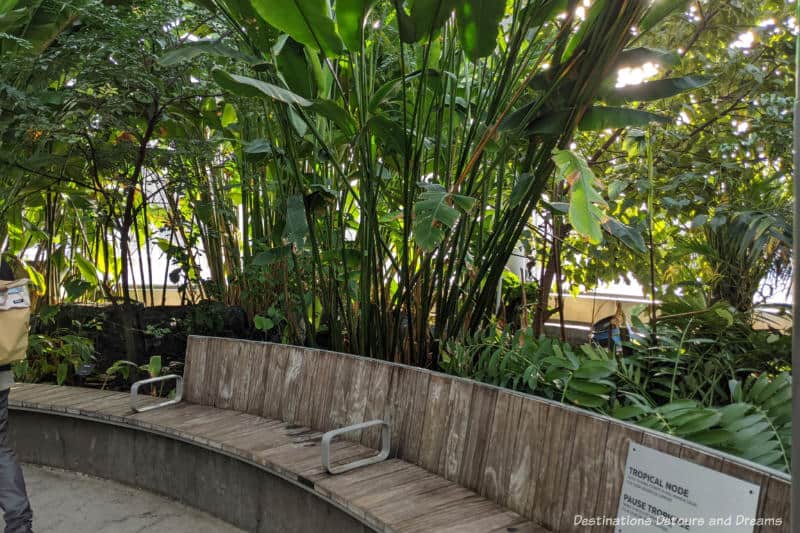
{"x":66,"y":502}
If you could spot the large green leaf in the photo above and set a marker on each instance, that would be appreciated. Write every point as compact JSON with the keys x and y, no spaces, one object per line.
{"x":336,"y":114}
{"x":425,"y":18}
{"x":659,"y":10}
{"x":635,"y":57}
{"x":307,"y":21}
{"x":434,"y":211}
{"x":629,"y":236}
{"x":584,"y":215}
{"x":478,"y":24}
{"x":290,"y":58}
{"x":350,"y":15}
{"x":189,"y":51}
{"x":655,"y":90}
{"x":251,"y":87}
{"x":296,"y":227}
{"x":601,"y":118}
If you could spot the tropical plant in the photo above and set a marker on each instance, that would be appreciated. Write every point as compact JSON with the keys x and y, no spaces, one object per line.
{"x":678,"y":387}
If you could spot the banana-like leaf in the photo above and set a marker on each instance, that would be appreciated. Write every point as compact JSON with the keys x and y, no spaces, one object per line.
{"x":478,"y":24}
{"x":584,"y":214}
{"x":251,"y":87}
{"x":655,"y":90}
{"x":189,"y":51}
{"x":307,"y":21}
{"x":293,"y":65}
{"x":350,"y":15}
{"x":659,"y":10}
{"x":336,"y":114}
{"x":601,"y":118}
{"x":629,"y":236}
{"x":634,"y":57}
{"x":435,"y":210}
{"x":425,"y":18}
{"x":296,"y":227}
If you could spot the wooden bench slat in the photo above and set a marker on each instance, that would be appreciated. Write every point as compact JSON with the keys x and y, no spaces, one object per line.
{"x":455,"y":514}
{"x":376,"y":404}
{"x":437,"y":413}
{"x":527,"y":457}
{"x":261,"y":354}
{"x":480,"y":419}
{"x":585,"y":465}
{"x":272,"y":395}
{"x":456,"y":430}
{"x":498,"y":456}
{"x":552,"y":482}
{"x":613,"y":473}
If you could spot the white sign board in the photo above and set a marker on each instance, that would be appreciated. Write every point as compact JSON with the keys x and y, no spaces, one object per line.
{"x":663,"y":493}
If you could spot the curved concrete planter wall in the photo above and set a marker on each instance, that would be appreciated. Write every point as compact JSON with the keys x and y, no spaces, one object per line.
{"x":229,"y":488}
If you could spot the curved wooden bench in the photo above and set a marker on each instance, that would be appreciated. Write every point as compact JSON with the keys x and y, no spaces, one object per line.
{"x":465,"y":456}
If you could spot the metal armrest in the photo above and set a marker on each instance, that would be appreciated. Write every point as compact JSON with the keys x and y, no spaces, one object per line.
{"x":381,"y":456}
{"x":135,"y":392}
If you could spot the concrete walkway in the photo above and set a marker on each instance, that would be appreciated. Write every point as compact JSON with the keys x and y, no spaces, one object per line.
{"x":66,"y":502}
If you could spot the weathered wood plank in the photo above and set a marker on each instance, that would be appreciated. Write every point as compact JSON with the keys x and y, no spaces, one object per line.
{"x":402,"y":500}
{"x":245,"y":367}
{"x":194,"y":369}
{"x":421,"y":503}
{"x":613,"y":470}
{"x":292,"y":385}
{"x":337,"y":408}
{"x":584,"y":466}
{"x":461,"y":511}
{"x":437,"y":412}
{"x":481,"y":416}
{"x":310,"y":385}
{"x":376,"y":403}
{"x":661,"y":444}
{"x":406,"y":411}
{"x":460,"y":402}
{"x":212,"y":372}
{"x":358,"y":396}
{"x":777,"y":506}
{"x":527,"y":458}
{"x":553,"y":477}
{"x":500,"y":450}
{"x":699,"y":457}
{"x":746,"y":473}
{"x":492,"y":520}
{"x":276,"y":374}
{"x":259,"y":375}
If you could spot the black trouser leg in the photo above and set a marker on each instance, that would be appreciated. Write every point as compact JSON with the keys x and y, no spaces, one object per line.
{"x":13,"y":496}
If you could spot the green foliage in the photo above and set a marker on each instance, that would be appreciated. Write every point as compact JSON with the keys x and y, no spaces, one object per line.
{"x":584,"y":213}
{"x":55,"y":357}
{"x":676,"y":386}
{"x":307,"y":21}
